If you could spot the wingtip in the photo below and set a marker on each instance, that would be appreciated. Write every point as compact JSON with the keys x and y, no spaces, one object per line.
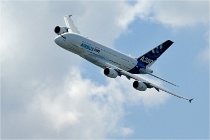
{"x":190,"y":100}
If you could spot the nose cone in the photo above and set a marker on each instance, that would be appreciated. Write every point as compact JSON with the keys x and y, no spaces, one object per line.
{"x":59,"y":40}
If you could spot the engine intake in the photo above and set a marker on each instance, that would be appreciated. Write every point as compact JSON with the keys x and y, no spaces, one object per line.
{"x":139,"y":86}
{"x":60,"y":30}
{"x":110,"y":73}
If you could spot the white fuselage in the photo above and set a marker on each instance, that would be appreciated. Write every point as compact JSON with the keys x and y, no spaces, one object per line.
{"x":113,"y":62}
{"x":91,"y":51}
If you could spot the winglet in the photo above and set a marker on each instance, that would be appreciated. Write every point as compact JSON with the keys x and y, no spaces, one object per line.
{"x":157,"y":89}
{"x":190,"y":100}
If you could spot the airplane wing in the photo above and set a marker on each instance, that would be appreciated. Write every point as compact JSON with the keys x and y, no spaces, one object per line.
{"x":162,"y":79}
{"x":149,"y":84}
{"x":70,"y":25}
{"x":104,"y":64}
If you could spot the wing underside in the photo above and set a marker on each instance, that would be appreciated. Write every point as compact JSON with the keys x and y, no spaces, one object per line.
{"x":151,"y":85}
{"x":104,"y":64}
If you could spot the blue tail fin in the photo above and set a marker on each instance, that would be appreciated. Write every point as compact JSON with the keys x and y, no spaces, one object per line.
{"x":150,"y":57}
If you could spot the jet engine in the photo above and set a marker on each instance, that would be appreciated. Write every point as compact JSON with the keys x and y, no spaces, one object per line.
{"x":110,"y":73}
{"x":60,"y":30}
{"x":139,"y":86}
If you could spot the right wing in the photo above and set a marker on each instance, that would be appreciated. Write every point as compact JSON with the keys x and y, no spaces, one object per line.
{"x":70,"y":25}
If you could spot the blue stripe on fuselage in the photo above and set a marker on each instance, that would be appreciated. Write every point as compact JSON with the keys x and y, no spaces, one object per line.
{"x":135,"y":70}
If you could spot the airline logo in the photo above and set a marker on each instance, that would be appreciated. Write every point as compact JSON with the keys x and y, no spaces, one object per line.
{"x":158,"y":49}
{"x":146,"y":60}
{"x":89,"y":48}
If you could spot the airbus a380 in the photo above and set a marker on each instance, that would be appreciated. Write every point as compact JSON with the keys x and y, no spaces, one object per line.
{"x":112,"y":61}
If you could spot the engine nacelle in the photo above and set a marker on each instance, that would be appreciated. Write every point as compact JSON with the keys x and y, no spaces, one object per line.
{"x":110,"y":73}
{"x":139,"y":86}
{"x":60,"y":30}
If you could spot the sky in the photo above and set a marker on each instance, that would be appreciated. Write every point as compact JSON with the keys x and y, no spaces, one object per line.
{"x":50,"y":93}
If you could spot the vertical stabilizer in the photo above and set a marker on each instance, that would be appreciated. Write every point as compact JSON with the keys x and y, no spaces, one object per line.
{"x":150,"y":57}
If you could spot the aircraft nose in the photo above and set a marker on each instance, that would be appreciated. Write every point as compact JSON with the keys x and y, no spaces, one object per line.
{"x":58,"y":40}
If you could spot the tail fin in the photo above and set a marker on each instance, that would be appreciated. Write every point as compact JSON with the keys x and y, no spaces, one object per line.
{"x":150,"y":57}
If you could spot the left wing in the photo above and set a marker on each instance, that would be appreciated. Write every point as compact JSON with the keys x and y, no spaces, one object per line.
{"x":149,"y":85}
{"x":70,"y":25}
{"x":104,"y":64}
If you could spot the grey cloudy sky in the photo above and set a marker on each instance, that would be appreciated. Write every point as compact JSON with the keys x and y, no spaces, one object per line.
{"x":46,"y":91}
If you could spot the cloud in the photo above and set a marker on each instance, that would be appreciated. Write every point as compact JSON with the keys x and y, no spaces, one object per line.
{"x":203,"y":55}
{"x":125,"y":131}
{"x":81,"y":106}
{"x":43,"y":95}
{"x":77,"y":108}
{"x":181,"y":13}
{"x":169,"y":13}
{"x":105,"y":27}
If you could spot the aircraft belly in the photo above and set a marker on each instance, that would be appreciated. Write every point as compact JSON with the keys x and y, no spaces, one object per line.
{"x":91,"y":57}
{"x":127,"y":65}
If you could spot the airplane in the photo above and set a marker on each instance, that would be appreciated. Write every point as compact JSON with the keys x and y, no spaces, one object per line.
{"x":113,"y":62}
